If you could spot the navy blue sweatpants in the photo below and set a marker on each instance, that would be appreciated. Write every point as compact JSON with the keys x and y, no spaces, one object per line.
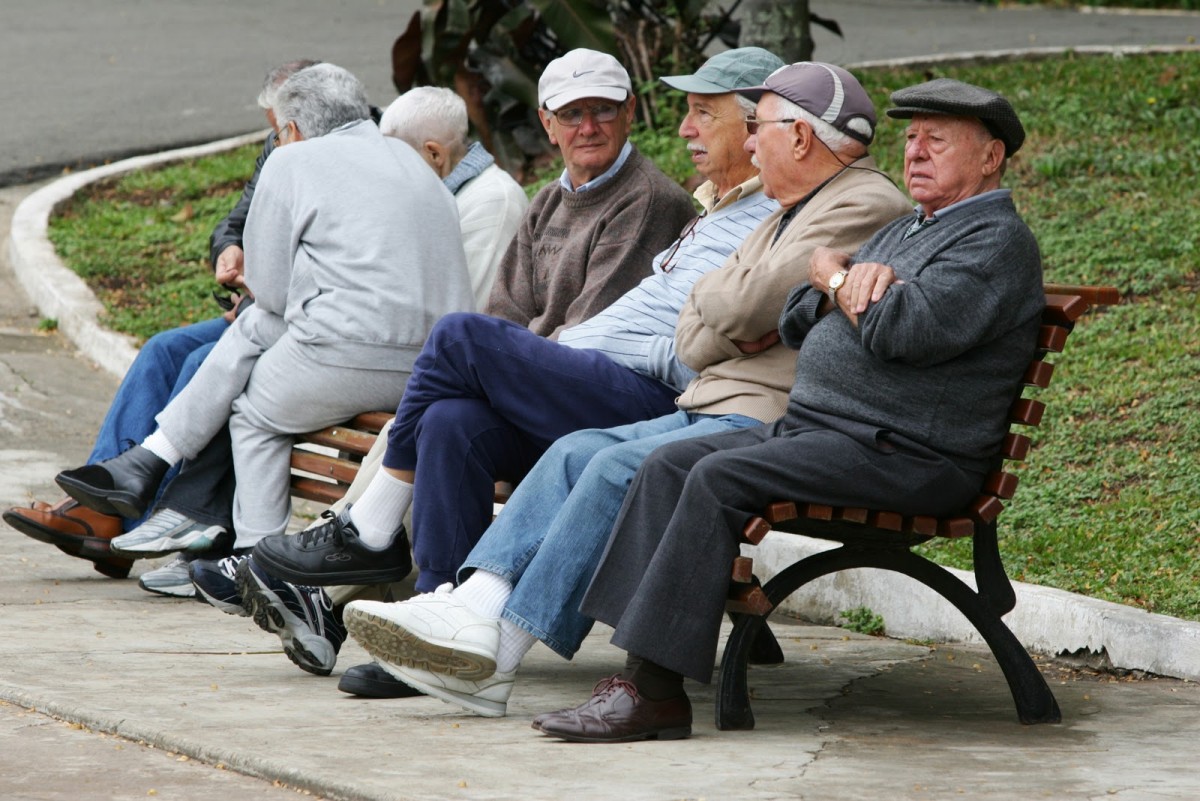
{"x":486,"y":399}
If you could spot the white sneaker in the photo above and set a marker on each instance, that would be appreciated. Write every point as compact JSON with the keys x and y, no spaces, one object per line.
{"x":165,"y":532}
{"x":487,"y":697}
{"x":170,"y":579}
{"x":432,"y":632}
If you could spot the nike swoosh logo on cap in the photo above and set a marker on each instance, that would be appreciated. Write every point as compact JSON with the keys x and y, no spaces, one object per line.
{"x":579,"y":74}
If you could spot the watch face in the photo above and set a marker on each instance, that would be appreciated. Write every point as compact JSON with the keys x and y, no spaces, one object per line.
{"x":836,"y":280}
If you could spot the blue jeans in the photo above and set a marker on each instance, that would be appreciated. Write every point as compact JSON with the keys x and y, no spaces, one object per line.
{"x":485,"y":400}
{"x":163,"y":366}
{"x":552,"y":532}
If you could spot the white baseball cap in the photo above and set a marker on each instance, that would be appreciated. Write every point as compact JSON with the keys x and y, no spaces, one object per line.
{"x":582,"y":73}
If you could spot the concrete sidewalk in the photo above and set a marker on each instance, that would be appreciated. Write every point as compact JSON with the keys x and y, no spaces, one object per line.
{"x":154,"y":693}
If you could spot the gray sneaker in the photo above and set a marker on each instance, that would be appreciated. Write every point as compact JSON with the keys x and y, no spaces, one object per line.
{"x":167,"y":531}
{"x":170,"y":579}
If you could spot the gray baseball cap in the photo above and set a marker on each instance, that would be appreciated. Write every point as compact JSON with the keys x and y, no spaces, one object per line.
{"x":726,"y":71}
{"x":958,"y":99}
{"x":828,"y":92}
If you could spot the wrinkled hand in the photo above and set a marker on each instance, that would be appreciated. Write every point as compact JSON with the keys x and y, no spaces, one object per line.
{"x":759,"y":345}
{"x":230,"y":267}
{"x":865,"y":284}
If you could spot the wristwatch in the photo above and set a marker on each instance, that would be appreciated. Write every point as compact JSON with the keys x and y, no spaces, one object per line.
{"x":835,"y":283}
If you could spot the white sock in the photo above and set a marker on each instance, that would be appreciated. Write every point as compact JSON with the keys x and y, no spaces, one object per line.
{"x":158,"y":444}
{"x":378,"y":513}
{"x":515,"y":642}
{"x":484,"y":593}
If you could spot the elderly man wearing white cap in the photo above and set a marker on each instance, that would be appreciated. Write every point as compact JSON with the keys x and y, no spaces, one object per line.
{"x":525,"y":579}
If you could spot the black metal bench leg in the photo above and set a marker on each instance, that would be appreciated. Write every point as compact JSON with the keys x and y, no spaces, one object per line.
{"x":733,"y":710}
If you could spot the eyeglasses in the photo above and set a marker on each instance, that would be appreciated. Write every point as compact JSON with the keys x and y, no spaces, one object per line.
{"x":275,"y":140}
{"x":752,"y":124}
{"x":573,"y":117}
{"x":689,"y":230}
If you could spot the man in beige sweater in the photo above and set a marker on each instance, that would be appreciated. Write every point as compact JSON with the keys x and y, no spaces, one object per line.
{"x":525,"y":578}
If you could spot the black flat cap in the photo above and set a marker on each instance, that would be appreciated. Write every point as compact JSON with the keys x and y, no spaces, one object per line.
{"x":958,"y":99}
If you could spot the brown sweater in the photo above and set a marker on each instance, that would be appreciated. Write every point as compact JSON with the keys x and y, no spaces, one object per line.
{"x":744,"y":298}
{"x":577,"y":252}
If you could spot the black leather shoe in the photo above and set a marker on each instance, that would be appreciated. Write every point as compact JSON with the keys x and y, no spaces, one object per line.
{"x":332,"y":553}
{"x":124,"y":485}
{"x":372,"y":681}
{"x":618,"y":713}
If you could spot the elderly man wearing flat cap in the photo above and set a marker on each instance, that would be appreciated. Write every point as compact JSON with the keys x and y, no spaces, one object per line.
{"x":910,"y":353}
{"x":524,"y":580}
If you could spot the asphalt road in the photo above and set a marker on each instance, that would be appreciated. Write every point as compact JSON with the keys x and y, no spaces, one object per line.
{"x":82,"y":82}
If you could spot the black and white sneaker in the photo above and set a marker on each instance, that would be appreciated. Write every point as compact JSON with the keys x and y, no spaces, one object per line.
{"x":215,"y":582}
{"x":333,"y":553}
{"x":170,"y":579}
{"x":304,"y":618}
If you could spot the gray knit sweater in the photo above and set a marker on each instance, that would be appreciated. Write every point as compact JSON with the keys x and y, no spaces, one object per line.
{"x":939,"y":358}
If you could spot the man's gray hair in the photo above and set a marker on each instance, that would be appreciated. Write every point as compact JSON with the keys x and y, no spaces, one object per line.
{"x":428,"y":113}
{"x":276,"y":77}
{"x":320,"y":99}
{"x":746,"y":104}
{"x":837,"y":141}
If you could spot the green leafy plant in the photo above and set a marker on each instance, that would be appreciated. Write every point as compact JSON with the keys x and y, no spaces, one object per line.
{"x":862,"y":620}
{"x":47,"y":324}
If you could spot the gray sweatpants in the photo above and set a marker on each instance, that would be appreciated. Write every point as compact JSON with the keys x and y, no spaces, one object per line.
{"x":268,"y":388}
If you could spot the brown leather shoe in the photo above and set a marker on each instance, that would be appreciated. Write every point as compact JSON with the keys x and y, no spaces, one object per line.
{"x":618,"y":713}
{"x":74,"y":530}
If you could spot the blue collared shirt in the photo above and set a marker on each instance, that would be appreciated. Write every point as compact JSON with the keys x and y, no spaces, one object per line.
{"x":599,"y":180}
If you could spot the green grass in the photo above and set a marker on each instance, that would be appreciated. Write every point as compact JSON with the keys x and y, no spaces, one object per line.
{"x":141,"y":241}
{"x":1109,"y":503}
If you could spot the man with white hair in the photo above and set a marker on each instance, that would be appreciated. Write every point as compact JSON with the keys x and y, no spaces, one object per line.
{"x":433,"y":120}
{"x":326,"y":230}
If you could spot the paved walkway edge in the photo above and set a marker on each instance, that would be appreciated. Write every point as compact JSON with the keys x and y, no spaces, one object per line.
{"x":58,"y":292}
{"x":171,"y":741}
{"x":1045,"y":620}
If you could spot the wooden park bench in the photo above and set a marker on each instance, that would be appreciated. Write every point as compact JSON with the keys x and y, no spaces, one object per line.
{"x":869,"y":538}
{"x":881,"y":539}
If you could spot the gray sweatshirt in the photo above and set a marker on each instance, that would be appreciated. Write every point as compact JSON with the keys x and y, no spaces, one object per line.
{"x":355,"y":242}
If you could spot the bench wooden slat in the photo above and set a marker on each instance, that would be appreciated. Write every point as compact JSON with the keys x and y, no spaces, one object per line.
{"x":1052,"y":338}
{"x":1015,"y":447}
{"x":1001,"y":484}
{"x":1027,"y":412}
{"x":341,"y":470}
{"x":743,"y":570}
{"x":341,"y":438}
{"x":1092,"y":295}
{"x":755,"y":529}
{"x":747,"y":599}
{"x":1038,"y":374}
{"x":312,"y":489}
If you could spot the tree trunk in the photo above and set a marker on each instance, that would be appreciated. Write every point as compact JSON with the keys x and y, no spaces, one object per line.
{"x":781,"y":27}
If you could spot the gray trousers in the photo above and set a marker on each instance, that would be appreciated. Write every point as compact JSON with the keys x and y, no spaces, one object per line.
{"x":268,"y":388}
{"x":663,"y":579}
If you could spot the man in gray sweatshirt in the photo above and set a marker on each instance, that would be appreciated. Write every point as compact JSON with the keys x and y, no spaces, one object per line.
{"x":339,"y":262}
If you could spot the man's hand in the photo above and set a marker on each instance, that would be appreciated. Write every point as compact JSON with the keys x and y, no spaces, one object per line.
{"x":231,"y":315}
{"x":865,"y":284}
{"x":759,"y":345}
{"x":230,"y":267}
{"x":823,"y":264}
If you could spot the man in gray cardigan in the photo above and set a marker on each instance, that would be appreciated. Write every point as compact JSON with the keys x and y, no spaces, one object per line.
{"x":338,"y":262}
{"x":911,"y":351}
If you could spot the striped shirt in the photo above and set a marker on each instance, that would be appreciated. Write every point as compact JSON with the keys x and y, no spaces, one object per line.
{"x":638,"y":330}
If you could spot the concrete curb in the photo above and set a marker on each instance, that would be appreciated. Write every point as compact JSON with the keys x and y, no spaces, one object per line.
{"x":57,"y":291}
{"x":1044,"y":620}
